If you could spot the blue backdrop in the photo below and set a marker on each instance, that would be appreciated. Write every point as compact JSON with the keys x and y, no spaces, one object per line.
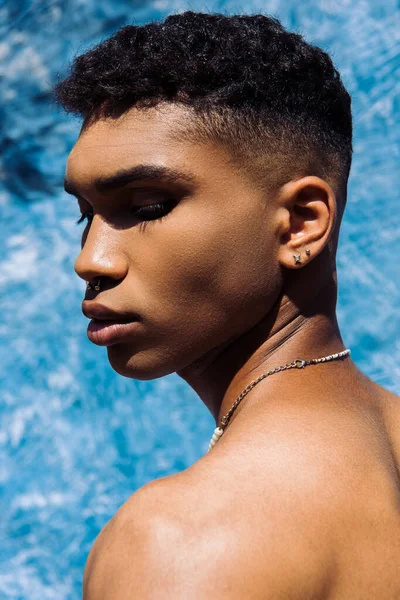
{"x":77,"y":439}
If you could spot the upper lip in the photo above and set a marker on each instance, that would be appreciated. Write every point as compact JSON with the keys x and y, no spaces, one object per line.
{"x":95,"y":310}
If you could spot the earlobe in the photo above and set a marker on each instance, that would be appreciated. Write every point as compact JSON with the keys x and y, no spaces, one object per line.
{"x":311,"y":205}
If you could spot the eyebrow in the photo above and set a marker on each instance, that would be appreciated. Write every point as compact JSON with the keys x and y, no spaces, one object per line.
{"x":137,"y":173}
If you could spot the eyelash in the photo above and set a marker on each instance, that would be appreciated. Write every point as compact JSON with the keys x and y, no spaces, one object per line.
{"x":89,"y":215}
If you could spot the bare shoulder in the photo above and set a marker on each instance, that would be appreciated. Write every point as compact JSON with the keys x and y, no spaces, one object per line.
{"x":122,"y":541}
{"x":176,"y":538}
{"x":293,"y":514}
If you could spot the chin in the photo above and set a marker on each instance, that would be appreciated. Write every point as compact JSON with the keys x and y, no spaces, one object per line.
{"x":142,"y":365}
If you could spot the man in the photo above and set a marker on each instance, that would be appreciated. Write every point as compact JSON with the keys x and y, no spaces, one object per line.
{"x":212,"y":169}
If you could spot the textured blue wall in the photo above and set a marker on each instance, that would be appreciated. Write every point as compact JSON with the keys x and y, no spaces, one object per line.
{"x":76,"y":439}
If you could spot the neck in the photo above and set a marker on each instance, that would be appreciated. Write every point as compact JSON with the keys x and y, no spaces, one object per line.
{"x":294,"y":328}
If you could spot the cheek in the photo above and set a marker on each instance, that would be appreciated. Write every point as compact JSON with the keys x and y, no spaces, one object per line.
{"x":196,"y":287}
{"x":219,"y":273}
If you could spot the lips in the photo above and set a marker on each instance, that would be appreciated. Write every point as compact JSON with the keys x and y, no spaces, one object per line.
{"x":107,"y":326}
{"x":99,"y":312}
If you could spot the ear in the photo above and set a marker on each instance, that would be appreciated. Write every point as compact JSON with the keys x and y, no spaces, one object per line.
{"x":307,"y":209}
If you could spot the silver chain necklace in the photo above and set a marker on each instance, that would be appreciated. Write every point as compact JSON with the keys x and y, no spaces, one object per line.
{"x":298,"y":363}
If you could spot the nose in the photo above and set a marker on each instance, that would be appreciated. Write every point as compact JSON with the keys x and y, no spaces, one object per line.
{"x":101,"y":254}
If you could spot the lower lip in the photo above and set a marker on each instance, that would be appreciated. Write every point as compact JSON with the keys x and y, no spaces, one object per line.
{"x":104,"y":333}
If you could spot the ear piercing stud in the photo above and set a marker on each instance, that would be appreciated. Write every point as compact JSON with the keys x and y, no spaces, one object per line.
{"x":297,"y":257}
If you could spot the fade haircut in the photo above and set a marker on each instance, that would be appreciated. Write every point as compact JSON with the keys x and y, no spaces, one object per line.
{"x":275,"y":102}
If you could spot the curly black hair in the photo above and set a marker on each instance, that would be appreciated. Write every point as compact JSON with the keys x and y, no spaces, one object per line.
{"x":276,"y":102}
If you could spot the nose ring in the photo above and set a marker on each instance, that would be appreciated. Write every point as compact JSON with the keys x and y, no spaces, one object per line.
{"x":96,"y":287}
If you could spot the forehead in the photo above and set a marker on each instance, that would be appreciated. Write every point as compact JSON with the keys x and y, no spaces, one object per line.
{"x":139,"y":137}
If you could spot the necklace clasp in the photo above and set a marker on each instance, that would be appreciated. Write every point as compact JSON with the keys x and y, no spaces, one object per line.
{"x":299,"y":363}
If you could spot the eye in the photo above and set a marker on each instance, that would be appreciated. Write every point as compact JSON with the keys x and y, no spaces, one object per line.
{"x":155,"y":211}
{"x":151,"y":212}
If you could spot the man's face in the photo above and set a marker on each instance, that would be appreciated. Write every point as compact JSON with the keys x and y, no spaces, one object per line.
{"x":203,"y":274}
